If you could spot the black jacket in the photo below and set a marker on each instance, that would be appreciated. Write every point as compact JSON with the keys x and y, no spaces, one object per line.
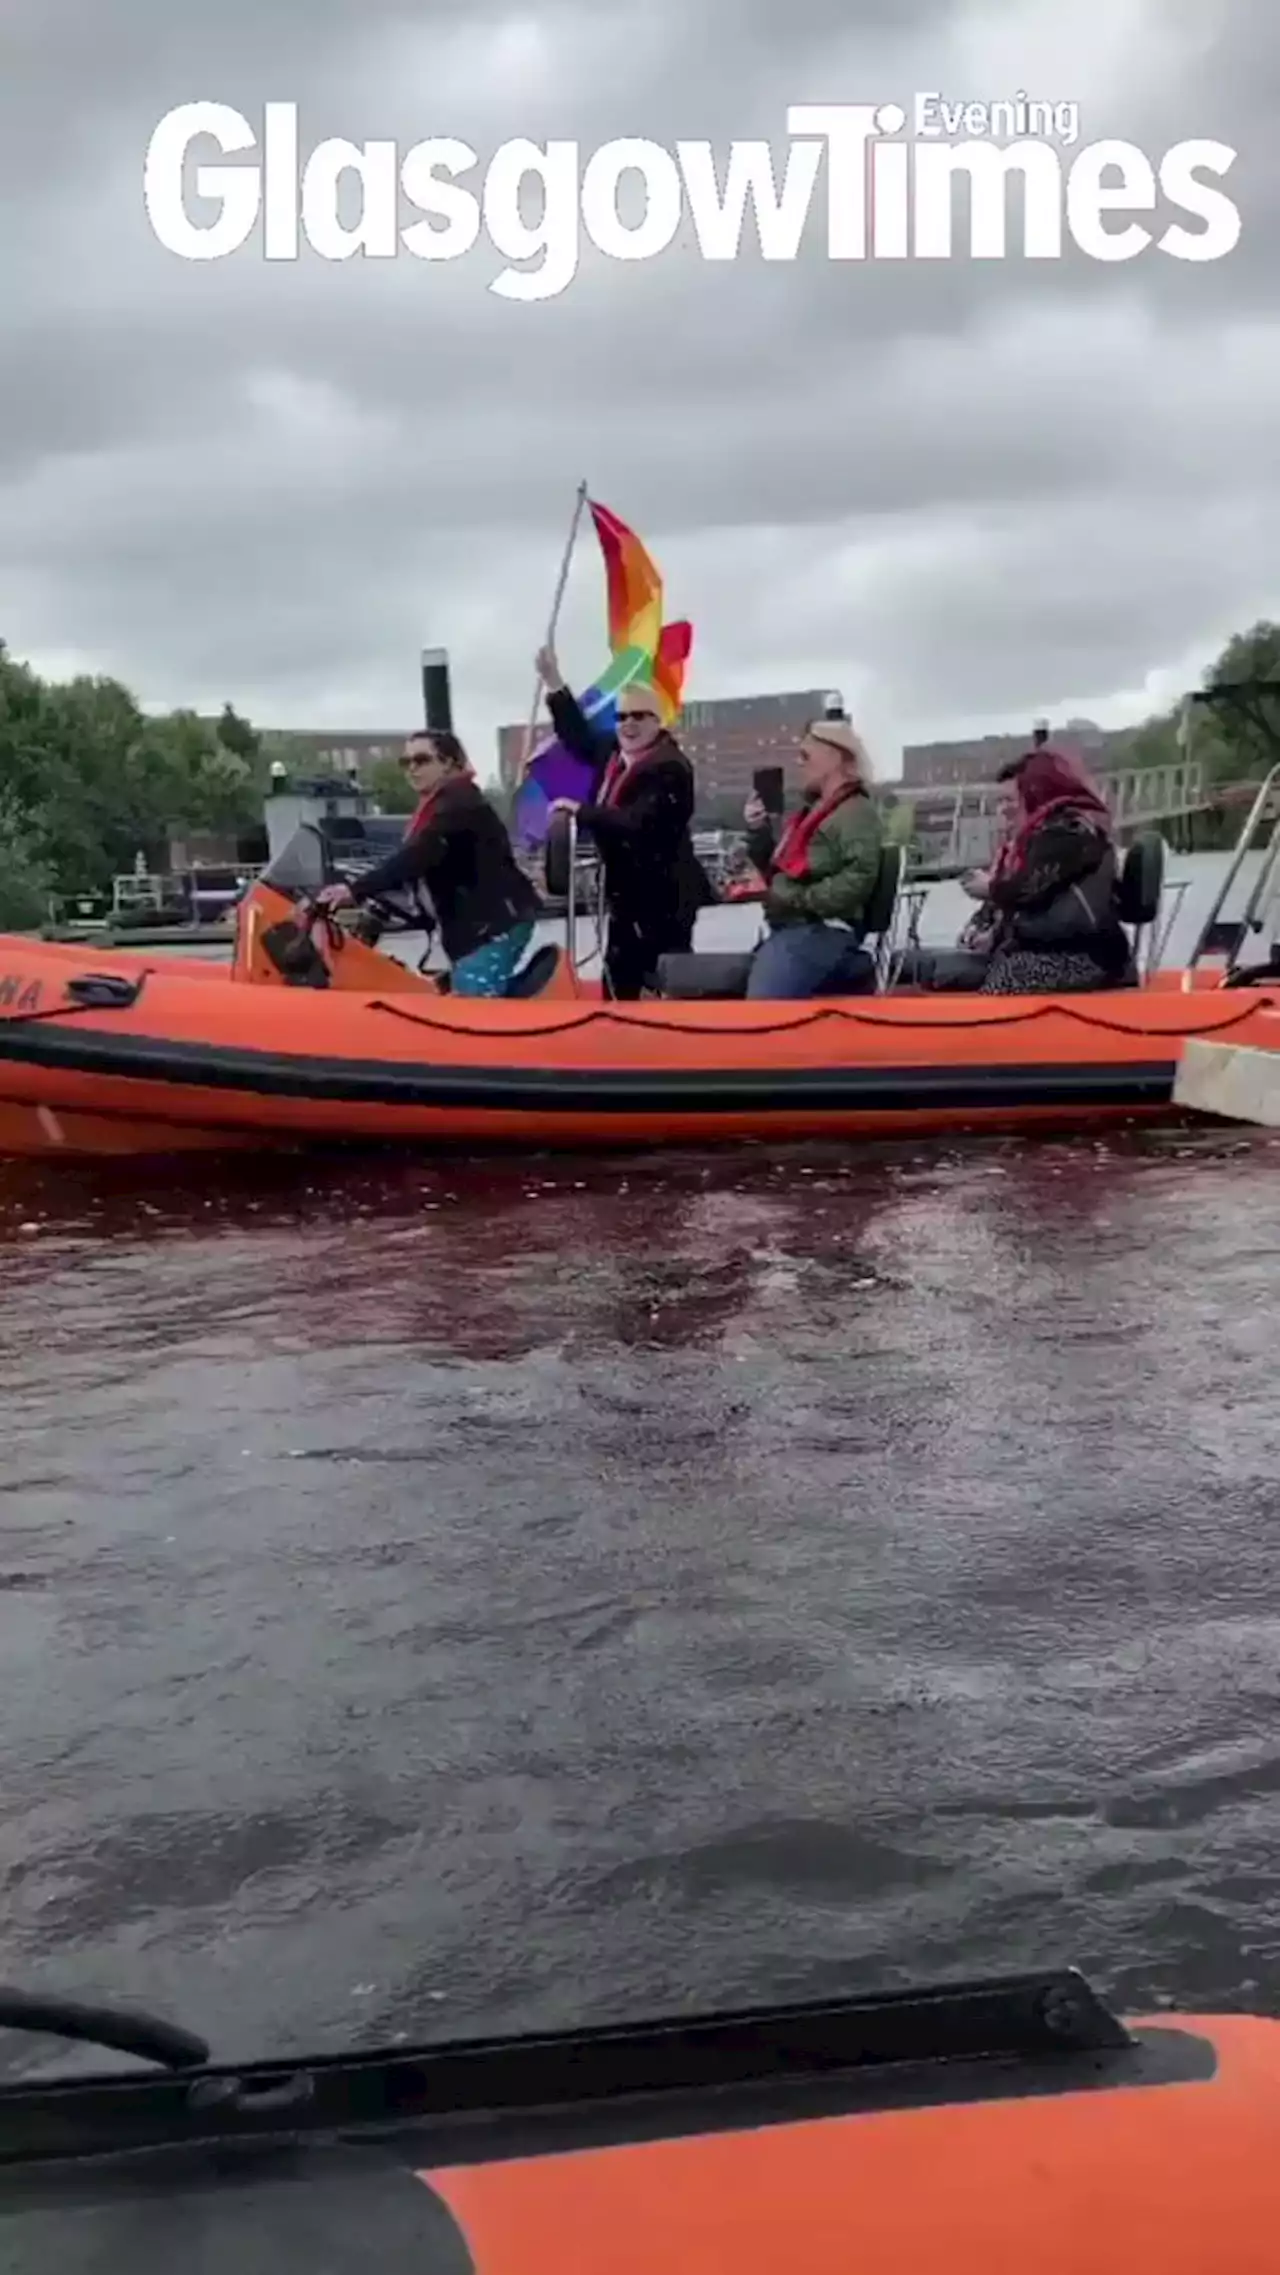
{"x":464,"y":859}
{"x":1064,"y":898}
{"x":651,"y":872}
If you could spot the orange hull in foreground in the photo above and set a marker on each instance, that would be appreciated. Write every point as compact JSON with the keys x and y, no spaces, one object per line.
{"x":204,"y":1058}
{"x":1007,"y":2128}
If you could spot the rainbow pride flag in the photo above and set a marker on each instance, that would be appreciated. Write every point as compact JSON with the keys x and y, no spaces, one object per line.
{"x":641,"y":647}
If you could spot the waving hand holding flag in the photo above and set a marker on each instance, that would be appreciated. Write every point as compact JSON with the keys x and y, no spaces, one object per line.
{"x":641,"y":647}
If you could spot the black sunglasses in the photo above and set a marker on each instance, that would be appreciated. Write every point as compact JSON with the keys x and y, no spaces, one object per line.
{"x":635,"y":715}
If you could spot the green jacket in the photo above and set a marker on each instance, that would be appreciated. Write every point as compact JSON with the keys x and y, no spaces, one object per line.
{"x":844,"y":863}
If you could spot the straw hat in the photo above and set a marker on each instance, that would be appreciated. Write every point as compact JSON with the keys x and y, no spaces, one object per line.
{"x":839,"y":735}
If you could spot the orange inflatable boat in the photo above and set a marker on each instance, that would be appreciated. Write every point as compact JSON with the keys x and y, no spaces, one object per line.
{"x":993,"y":2128}
{"x":329,"y":1040}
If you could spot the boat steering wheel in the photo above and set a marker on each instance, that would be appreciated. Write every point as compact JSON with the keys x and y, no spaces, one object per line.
{"x":378,"y":913}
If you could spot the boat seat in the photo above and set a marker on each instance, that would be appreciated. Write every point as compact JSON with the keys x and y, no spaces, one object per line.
{"x":536,"y":974}
{"x":557,"y":863}
{"x":1141,"y":886}
{"x":709,"y":978}
{"x":883,"y":904}
{"x":703,"y":978}
{"x":1140,"y":900}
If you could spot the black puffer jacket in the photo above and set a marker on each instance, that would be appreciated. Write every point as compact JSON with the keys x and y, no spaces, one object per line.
{"x":651,"y":872}
{"x":1063,"y":899}
{"x":464,"y":858}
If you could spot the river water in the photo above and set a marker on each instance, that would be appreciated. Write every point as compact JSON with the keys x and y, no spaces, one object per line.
{"x":438,"y":1599}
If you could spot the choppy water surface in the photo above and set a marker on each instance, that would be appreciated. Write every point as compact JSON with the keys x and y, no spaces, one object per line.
{"x":440,"y":1601}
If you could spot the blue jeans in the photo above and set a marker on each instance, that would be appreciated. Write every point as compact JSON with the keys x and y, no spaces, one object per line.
{"x":803,"y":960}
{"x":491,"y":969}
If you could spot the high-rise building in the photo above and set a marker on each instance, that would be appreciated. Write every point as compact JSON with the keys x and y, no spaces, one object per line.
{"x":726,"y":740}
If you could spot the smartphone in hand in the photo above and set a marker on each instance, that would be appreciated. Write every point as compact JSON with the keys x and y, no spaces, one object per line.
{"x":770,"y":786}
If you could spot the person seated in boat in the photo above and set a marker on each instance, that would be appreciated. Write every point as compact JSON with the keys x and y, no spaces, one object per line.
{"x":820,"y":874}
{"x":457,"y":847}
{"x":962,"y":969}
{"x":978,"y":936}
{"x":640,"y":817}
{"x":1054,"y":892}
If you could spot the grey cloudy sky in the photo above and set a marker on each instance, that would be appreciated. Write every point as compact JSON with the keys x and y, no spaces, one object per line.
{"x":963,"y":493}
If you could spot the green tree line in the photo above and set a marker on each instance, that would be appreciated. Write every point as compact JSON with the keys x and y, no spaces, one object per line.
{"x":1235,"y":732}
{"x":88,"y":780}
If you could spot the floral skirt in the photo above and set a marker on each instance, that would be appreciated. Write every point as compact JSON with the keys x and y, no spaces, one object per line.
{"x":1038,"y":971}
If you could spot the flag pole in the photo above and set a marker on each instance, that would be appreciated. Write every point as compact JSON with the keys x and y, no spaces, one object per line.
{"x":531,"y":732}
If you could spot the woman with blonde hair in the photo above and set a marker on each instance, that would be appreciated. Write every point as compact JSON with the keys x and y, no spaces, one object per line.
{"x":820,"y":873}
{"x":640,"y":815}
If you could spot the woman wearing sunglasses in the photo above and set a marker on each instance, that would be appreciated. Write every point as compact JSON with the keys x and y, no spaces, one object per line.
{"x":456,"y":846}
{"x":640,"y":818}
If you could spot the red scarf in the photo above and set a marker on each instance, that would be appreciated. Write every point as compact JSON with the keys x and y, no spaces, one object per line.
{"x":621,"y":773}
{"x":791,"y":855}
{"x":422,"y":812}
{"x":1002,"y":862}
{"x":421,"y":817}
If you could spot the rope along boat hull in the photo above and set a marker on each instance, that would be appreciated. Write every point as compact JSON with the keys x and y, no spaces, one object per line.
{"x":183,"y":1057}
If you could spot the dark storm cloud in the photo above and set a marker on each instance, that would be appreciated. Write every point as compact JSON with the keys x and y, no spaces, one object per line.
{"x":991,"y":485}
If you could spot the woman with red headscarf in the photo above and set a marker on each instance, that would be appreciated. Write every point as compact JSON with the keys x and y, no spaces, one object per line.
{"x":1054,"y":897}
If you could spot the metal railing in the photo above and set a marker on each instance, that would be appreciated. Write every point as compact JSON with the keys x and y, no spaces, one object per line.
{"x":901,"y":934}
{"x":1218,"y":937}
{"x":593,"y":869}
{"x":1139,"y":797}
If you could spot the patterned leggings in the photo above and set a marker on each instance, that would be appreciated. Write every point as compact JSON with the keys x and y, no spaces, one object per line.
{"x":491,"y":969}
{"x":1028,"y":971}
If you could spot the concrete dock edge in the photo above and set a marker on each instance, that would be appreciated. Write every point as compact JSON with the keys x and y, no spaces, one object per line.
{"x":1233,"y":1083}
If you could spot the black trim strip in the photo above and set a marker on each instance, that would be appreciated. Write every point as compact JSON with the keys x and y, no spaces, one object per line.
{"x":542,"y":1090}
{"x":1022,"y":2037}
{"x":72,"y":2161}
